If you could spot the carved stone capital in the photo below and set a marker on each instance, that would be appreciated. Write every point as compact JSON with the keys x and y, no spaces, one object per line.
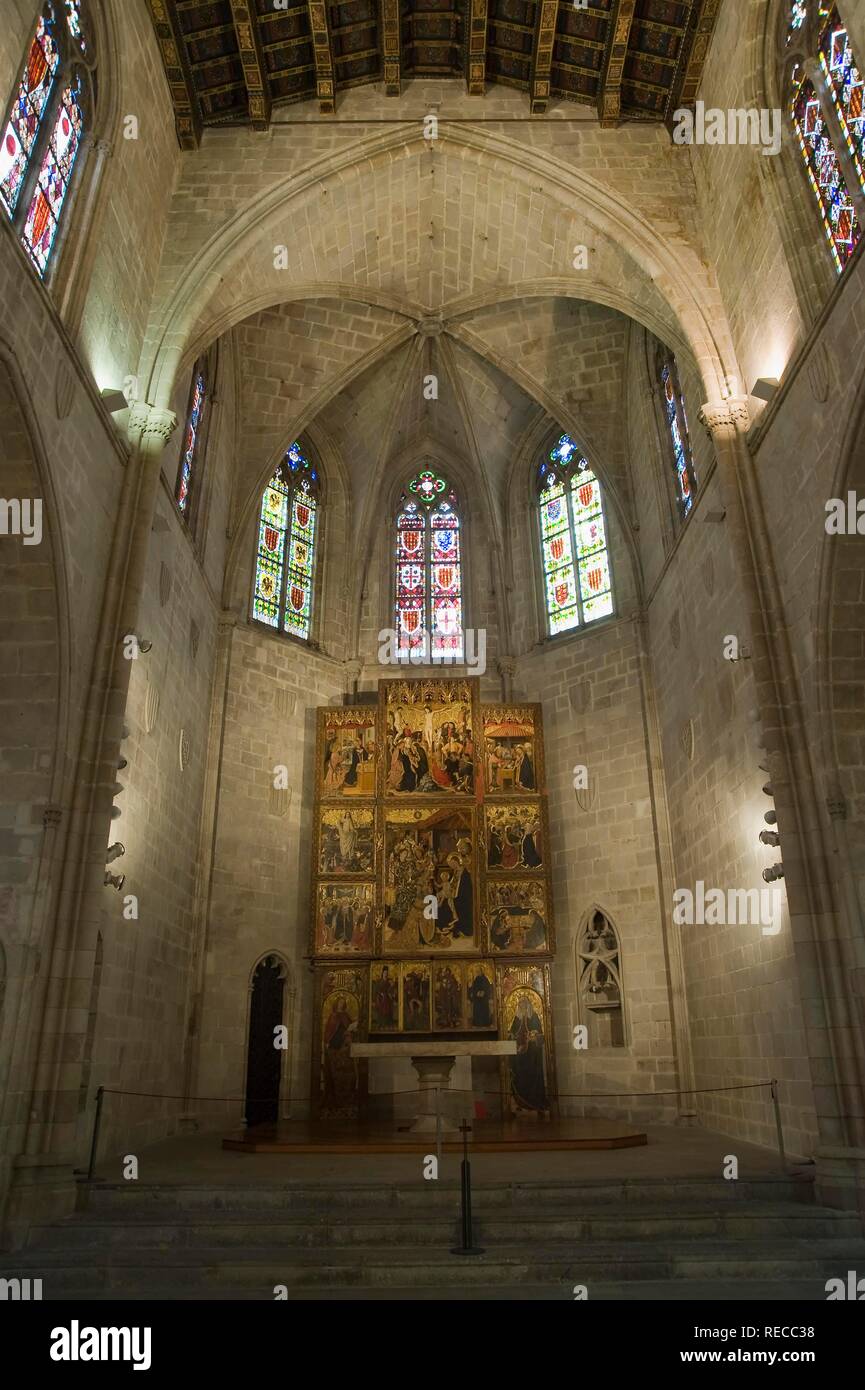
{"x":226,"y":622}
{"x":837,"y":807}
{"x":431,"y":327}
{"x":506,"y":666}
{"x":150,"y":428}
{"x":52,"y":816}
{"x":725,"y":418}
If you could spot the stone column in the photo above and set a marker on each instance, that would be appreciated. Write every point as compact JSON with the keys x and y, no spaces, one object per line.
{"x":852,"y":13}
{"x":506,"y":667}
{"x":821,"y":930}
{"x":58,"y":1025}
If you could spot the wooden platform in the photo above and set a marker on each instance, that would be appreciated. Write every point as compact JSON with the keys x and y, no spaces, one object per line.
{"x":488,"y":1136}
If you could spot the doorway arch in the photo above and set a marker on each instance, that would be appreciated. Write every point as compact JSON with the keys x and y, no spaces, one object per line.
{"x":263,"y":1059}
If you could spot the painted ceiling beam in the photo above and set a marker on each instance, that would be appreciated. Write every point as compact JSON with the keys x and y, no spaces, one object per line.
{"x":254,"y":68}
{"x":324,"y":80}
{"x":187,"y":111}
{"x":695,"y":51}
{"x":610,"y":87}
{"x":390,"y":30}
{"x":542,"y":58}
{"x":476,"y":48}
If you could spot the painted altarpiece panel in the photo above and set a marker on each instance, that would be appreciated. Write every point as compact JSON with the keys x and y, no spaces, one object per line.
{"x":528,"y":1077}
{"x":339,"y":1080}
{"x":429,"y":737}
{"x":347,"y":758}
{"x":346,"y":841}
{"x":429,"y":879}
{"x":512,"y":747}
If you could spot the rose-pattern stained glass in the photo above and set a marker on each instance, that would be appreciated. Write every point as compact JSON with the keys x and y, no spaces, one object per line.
{"x":285,"y":564}
{"x":844,"y":81}
{"x":52,"y":185}
{"x":840,"y":223}
{"x":27,"y":113}
{"x":577,"y":581}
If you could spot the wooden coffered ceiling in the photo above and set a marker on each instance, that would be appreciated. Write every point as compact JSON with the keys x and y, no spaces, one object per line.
{"x":230,"y":62}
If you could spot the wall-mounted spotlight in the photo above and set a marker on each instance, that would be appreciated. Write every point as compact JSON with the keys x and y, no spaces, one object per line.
{"x":768,"y":790}
{"x":770,"y":837}
{"x":771,"y":817}
{"x":114,"y":852}
{"x":771,"y":875}
{"x":122,"y":763}
{"x":114,"y":400}
{"x":116,"y":813}
{"x":118,"y":788}
{"x":765,"y":387}
{"x":114,"y":881}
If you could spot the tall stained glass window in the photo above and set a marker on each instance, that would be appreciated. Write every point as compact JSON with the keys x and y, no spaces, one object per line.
{"x":28,"y":111}
{"x":285,"y":563}
{"x":186,"y":475}
{"x":844,"y":82}
{"x":673,"y":402}
{"x":428,"y":589}
{"x":44,"y":127}
{"x":577,"y":581}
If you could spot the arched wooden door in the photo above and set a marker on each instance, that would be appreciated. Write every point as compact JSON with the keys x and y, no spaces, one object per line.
{"x":263,"y":1059}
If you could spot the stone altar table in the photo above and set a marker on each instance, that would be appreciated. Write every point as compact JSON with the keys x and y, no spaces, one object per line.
{"x":433,"y":1062}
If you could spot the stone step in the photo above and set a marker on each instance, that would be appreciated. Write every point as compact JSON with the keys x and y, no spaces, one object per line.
{"x":104,"y":1196}
{"x":642,"y":1290}
{"x":234,"y":1228}
{"x":130,"y":1270}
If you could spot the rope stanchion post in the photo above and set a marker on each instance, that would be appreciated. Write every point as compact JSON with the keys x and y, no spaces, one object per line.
{"x":467,"y":1247}
{"x":438,"y":1129}
{"x":777,"y":1105}
{"x":94,"y":1138}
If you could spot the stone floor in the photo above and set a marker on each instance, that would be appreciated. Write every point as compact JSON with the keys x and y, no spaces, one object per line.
{"x":671,"y":1152}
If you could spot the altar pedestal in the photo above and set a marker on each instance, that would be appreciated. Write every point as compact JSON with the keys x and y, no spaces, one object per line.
{"x":433,"y":1062}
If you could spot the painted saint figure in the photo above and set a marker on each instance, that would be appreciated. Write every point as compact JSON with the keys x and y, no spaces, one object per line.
{"x":480,"y":992}
{"x":528,"y":1085}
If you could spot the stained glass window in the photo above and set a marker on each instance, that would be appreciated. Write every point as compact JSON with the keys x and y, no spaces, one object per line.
{"x":52,"y":185}
{"x":73,"y":21}
{"x":798,"y":15}
{"x":428,"y":590}
{"x":576,"y":563}
{"x":191,"y":441}
{"x":840,"y":222}
{"x":844,"y":82}
{"x":677,"y":423}
{"x":285,"y":565}
{"x":27,"y":113}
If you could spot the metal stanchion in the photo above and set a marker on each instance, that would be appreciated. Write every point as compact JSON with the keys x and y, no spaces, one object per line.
{"x":97,"y":1120}
{"x":467,"y":1247}
{"x":438,"y":1130}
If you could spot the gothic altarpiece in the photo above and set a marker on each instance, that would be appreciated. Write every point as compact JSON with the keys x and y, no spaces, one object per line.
{"x":431,"y":895}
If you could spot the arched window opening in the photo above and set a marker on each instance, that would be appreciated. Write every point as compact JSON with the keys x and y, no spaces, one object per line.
{"x":44,"y":128}
{"x":285,"y":564}
{"x":673,"y":401}
{"x":187,"y":475}
{"x":428,"y":588}
{"x":576,"y":562}
{"x":830,"y":162}
{"x":599,"y":981}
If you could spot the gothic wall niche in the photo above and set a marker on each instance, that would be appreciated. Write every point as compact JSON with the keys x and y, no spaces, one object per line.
{"x":599,"y":981}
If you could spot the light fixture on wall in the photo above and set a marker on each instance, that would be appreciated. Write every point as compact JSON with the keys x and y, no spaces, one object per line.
{"x":114,"y":881}
{"x":114,"y":400}
{"x":770,"y":837}
{"x":773,"y":874}
{"x":765,"y":388}
{"x":114,"y":852}
{"x":122,"y":763}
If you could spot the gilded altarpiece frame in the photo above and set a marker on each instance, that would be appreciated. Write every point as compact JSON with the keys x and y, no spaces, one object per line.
{"x":430,"y":884}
